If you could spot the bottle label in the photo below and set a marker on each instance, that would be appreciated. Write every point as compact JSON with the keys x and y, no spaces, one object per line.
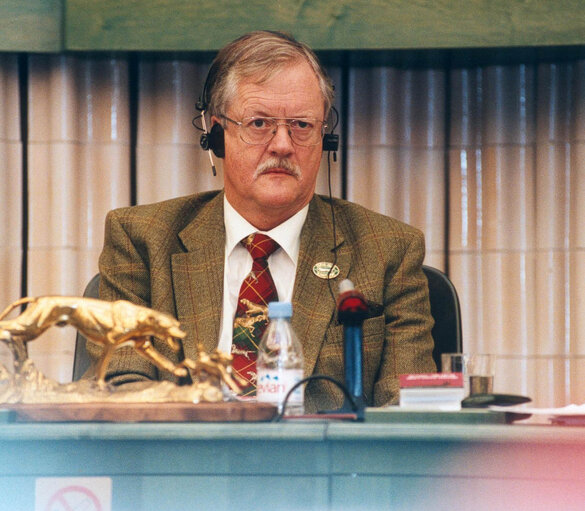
{"x":273,"y":385}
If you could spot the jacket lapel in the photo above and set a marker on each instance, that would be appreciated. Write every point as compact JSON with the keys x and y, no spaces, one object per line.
{"x":198,"y":277}
{"x":313,"y":303}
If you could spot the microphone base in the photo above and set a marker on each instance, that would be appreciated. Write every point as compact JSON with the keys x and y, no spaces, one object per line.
{"x":358,"y":411}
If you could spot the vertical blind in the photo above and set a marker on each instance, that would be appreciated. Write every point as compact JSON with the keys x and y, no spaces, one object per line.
{"x":487,"y":158}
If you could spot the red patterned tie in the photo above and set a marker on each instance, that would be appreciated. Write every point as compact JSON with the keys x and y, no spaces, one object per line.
{"x":252,"y":313}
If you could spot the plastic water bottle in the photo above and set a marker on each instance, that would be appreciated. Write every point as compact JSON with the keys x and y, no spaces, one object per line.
{"x":279,"y":365}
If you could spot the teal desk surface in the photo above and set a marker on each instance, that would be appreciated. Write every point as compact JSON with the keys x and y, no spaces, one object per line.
{"x":420,"y":462}
{"x":291,"y":431}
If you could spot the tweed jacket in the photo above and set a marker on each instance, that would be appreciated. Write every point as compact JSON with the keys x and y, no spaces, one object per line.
{"x":170,"y":256}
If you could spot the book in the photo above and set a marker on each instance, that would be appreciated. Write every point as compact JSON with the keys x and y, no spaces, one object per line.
{"x":431,"y":391}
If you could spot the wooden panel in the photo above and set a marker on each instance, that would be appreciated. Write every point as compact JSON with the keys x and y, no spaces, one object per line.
{"x":229,"y":411}
{"x":323,"y":24}
{"x":31,"y":25}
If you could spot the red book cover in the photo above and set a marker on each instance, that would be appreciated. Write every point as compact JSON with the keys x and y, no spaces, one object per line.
{"x":431,"y":380}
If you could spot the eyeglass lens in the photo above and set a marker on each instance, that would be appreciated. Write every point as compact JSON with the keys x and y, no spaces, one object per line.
{"x":260,"y":130}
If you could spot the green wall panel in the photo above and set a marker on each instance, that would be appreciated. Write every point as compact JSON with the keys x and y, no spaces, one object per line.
{"x":31,"y":25}
{"x":186,"y":25}
{"x":199,"y":25}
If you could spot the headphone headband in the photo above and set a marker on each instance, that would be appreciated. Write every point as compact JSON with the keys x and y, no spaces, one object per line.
{"x":213,"y":140}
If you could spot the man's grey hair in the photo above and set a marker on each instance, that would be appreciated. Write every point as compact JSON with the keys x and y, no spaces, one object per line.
{"x":260,"y":55}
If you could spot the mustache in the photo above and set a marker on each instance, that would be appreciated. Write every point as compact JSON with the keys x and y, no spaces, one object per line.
{"x":281,"y":163}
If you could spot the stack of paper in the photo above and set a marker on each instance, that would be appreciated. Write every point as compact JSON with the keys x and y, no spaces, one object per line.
{"x":570,"y":415}
{"x":431,"y":391}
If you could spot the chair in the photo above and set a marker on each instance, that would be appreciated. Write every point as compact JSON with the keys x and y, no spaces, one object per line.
{"x":444,"y":309}
{"x":446,"y":312}
{"x":81,"y":360}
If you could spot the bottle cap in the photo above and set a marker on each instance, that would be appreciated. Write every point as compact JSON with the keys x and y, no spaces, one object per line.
{"x":280,"y":310}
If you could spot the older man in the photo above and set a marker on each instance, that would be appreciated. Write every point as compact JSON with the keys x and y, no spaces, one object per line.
{"x":268,"y":100}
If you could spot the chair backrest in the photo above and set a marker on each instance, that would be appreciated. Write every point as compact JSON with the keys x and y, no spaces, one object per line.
{"x":81,"y":360}
{"x":446,"y":312}
{"x":444,"y":309}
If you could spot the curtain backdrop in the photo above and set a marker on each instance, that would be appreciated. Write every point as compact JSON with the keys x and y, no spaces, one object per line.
{"x":488,"y":159}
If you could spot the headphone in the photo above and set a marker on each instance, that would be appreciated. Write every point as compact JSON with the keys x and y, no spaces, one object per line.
{"x":213,"y":140}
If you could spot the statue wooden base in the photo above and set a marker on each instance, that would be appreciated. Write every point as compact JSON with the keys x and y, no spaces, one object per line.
{"x":232,"y":411}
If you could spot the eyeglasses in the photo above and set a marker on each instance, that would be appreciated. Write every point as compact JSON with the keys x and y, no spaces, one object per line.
{"x":261,"y":130}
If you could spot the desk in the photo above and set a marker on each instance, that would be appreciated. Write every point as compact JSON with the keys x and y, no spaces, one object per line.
{"x":302,"y":466}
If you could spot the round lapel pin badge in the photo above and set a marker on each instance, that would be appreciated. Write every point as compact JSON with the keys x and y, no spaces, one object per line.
{"x":326,"y":270}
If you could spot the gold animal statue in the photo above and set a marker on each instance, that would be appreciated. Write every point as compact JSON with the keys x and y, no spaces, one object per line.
{"x":216,"y":364}
{"x":112,"y":325}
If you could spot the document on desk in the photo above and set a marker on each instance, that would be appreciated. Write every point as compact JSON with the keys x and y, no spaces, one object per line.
{"x":564,"y":411}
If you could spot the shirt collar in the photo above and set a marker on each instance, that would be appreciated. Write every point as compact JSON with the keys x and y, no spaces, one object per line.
{"x":287,"y":234}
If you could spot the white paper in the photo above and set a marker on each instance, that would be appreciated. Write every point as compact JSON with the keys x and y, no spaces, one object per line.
{"x":570,"y":410}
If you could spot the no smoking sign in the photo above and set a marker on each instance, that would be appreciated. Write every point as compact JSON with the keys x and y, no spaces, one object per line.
{"x":73,"y":494}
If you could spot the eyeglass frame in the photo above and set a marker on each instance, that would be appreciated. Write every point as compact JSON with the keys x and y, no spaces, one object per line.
{"x":290,"y":119}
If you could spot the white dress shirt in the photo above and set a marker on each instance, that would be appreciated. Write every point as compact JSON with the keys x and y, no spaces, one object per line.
{"x":238,"y":262}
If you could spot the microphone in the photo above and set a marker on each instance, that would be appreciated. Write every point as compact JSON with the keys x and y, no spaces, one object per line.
{"x":352,"y":310}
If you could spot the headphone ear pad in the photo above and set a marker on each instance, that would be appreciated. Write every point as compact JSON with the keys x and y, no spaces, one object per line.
{"x":330,"y":142}
{"x":216,"y":140}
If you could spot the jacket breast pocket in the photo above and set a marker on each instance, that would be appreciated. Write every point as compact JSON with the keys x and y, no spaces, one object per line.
{"x":373,"y":330}
{"x":373,"y":346}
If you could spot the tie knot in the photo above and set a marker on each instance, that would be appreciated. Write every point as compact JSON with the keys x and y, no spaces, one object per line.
{"x":259,"y":245}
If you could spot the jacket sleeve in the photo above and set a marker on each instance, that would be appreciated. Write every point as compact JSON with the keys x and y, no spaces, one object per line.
{"x":124,"y":267}
{"x":124,"y":275}
{"x":408,"y":343}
